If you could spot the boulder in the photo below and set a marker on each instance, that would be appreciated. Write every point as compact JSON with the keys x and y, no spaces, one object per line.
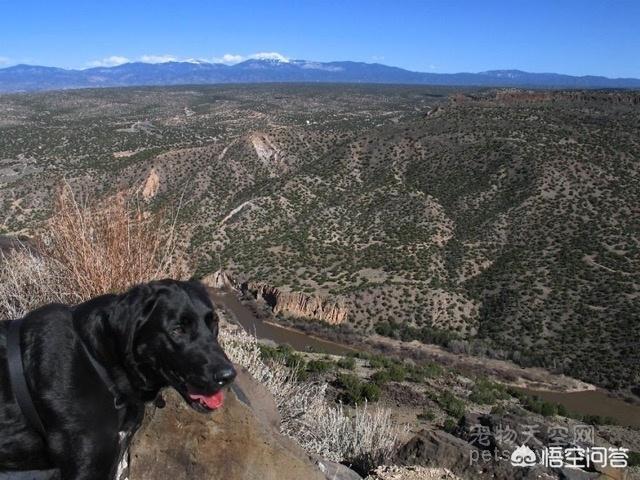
{"x":257,"y":396}
{"x":241,"y":441}
{"x":435,"y":448}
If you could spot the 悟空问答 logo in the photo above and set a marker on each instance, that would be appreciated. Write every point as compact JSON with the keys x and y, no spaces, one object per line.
{"x":523,"y":456}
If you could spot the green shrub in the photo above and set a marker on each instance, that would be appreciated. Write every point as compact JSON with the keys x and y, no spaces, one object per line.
{"x":347,"y":381}
{"x":451,"y":404}
{"x":598,"y":420}
{"x":356,"y":392}
{"x":380,"y":377}
{"x":535,"y":404}
{"x":351,"y":388}
{"x":426,"y":334}
{"x":285,"y":354}
{"x":486,"y":392}
{"x":397,"y":372}
{"x":420,"y":373}
{"x":449,"y":425}
{"x":370,"y":392}
{"x":348,"y":363}
{"x":319,"y":366}
{"x":548,"y":409}
{"x":378,"y":361}
{"x":634,"y":459}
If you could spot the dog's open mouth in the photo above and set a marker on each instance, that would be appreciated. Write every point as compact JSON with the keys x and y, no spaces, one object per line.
{"x":206,"y":401}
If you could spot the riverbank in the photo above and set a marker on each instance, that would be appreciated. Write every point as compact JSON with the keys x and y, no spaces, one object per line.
{"x":272,"y":331}
{"x":577,"y":396}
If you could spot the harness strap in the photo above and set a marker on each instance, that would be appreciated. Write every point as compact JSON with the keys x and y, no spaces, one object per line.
{"x":18,"y":379}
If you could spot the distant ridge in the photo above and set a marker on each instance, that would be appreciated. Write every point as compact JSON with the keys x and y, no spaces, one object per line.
{"x":33,"y":78}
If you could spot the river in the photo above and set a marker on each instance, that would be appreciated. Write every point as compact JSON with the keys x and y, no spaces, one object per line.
{"x":590,"y":402}
{"x":268,"y":331}
{"x":593,"y":402}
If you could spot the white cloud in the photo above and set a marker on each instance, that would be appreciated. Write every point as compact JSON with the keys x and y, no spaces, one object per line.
{"x":112,"y":61}
{"x":158,"y":58}
{"x":5,"y":60}
{"x":229,"y":59}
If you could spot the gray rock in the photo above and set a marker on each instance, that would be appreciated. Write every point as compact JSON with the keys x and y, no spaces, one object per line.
{"x":336,"y":471}
{"x":435,"y":448}
{"x":238,"y":442}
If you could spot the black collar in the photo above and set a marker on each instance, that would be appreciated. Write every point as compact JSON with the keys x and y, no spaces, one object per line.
{"x":118,"y":399}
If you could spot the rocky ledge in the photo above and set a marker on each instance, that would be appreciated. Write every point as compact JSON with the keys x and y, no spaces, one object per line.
{"x":241,"y":441}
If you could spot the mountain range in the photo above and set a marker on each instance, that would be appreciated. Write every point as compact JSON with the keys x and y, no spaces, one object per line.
{"x":21,"y":78}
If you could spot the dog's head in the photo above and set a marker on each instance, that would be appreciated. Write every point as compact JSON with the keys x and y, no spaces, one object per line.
{"x":174,"y":341}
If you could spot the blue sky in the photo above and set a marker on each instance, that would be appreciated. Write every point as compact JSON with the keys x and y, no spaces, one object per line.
{"x":566,"y":36}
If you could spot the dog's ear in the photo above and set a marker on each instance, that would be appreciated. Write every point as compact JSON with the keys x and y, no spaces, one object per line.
{"x":135,"y":309}
{"x":197,"y":289}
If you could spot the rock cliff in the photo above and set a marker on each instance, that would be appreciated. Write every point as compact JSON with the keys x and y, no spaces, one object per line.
{"x":220,"y":279}
{"x":299,"y":304}
{"x":151,"y":185}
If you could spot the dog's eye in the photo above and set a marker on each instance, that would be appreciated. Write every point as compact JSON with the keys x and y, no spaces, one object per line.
{"x":178,"y":330}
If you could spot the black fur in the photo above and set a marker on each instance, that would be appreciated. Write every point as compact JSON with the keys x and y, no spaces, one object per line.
{"x":154,"y":336}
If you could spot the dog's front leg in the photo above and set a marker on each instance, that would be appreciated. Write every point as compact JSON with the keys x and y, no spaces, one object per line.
{"x":88,"y":459}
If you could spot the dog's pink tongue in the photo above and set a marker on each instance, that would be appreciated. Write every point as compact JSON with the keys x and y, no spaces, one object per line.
{"x":212,"y":401}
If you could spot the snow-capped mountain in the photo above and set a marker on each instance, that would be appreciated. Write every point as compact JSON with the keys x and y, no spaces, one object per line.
{"x":276,"y":68}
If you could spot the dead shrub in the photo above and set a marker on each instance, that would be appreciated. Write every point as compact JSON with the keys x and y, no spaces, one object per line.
{"x":109,"y":246}
{"x":27,"y":281}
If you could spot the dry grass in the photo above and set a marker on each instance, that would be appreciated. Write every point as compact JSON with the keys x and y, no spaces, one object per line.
{"x":364,"y":437}
{"x":27,"y":281}
{"x":109,"y":247}
{"x":87,"y":250}
{"x":293,"y":399}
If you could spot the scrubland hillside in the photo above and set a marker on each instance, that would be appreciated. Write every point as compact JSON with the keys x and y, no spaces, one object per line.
{"x":503,"y":223}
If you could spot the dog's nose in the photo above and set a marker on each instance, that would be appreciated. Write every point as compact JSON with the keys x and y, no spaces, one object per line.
{"x":225,"y":375}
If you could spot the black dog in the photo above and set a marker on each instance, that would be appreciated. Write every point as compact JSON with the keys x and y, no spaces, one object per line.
{"x":156,"y":335}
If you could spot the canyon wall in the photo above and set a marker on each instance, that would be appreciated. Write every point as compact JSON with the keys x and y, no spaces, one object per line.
{"x":296,"y":304}
{"x":299,"y":304}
